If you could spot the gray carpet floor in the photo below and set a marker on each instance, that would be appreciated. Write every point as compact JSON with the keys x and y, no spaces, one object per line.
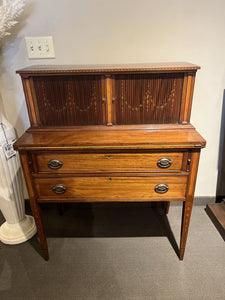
{"x":116,"y":252}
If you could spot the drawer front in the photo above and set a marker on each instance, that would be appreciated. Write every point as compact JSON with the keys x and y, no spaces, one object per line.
{"x":110,"y":162}
{"x":111,"y":188}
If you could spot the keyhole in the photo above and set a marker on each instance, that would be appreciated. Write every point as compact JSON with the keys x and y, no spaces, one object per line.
{"x":109,"y":156}
{"x":110,"y":179}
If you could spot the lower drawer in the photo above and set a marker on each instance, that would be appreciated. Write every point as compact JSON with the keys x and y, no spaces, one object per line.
{"x":111,"y":188}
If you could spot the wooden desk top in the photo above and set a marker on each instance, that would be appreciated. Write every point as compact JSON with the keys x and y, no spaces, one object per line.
{"x":154,"y":138}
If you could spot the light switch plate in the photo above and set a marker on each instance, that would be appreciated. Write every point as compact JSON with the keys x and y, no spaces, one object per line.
{"x":40,"y":47}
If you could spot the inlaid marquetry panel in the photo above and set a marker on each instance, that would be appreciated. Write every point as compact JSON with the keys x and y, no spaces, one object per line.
{"x":147,"y":98}
{"x":70,"y":100}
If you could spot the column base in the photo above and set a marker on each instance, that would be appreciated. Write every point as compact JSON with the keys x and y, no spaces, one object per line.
{"x":19,"y":232}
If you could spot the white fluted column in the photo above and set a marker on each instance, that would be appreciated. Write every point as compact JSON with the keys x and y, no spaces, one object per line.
{"x":18,"y":227}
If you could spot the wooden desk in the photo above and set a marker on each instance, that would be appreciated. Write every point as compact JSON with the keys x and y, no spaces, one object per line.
{"x":118,"y":133}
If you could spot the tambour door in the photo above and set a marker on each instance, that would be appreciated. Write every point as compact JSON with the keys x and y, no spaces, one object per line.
{"x":147,"y":98}
{"x":70,"y":100}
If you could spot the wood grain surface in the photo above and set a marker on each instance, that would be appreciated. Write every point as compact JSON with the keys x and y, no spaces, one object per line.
{"x":136,"y":188}
{"x":135,"y":139}
{"x":108,"y":162}
{"x":74,"y":100}
{"x":147,"y":99}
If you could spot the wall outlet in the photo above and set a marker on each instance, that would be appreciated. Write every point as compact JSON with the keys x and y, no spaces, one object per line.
{"x":40,"y":47}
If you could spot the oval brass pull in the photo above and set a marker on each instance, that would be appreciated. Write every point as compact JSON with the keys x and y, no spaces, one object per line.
{"x":55,"y":164}
{"x":59,"y":189}
{"x":161,"y":188}
{"x":164,"y":162}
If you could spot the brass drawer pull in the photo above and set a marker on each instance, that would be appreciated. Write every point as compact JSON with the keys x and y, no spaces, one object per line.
{"x":55,"y":164}
{"x":161,"y":188}
{"x":59,"y":189}
{"x":164,"y":162}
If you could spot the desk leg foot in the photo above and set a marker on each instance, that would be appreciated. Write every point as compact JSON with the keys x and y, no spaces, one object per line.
{"x":181,"y":257}
{"x":45,"y":254}
{"x":186,"y":216}
{"x":37,"y":213}
{"x":167,"y":208}
{"x":60,"y":208}
{"x":40,"y":229}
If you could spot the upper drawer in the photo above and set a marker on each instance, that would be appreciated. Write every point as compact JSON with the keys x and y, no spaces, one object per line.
{"x":108,"y":162}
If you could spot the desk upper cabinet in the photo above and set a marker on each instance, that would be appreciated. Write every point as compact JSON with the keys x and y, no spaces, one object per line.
{"x":110,"y":133}
{"x":109,"y":95}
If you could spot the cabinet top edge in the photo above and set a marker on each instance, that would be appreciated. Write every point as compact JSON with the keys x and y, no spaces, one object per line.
{"x":109,"y":68}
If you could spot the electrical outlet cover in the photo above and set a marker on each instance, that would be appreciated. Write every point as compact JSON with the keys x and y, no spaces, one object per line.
{"x":40,"y":47}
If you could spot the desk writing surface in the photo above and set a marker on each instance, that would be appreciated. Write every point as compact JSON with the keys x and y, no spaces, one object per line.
{"x":187,"y":138}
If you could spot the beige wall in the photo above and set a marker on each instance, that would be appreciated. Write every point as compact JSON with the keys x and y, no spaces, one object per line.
{"x":124,"y":31}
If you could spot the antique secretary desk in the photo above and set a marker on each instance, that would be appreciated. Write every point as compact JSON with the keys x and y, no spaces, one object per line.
{"x":110,"y":133}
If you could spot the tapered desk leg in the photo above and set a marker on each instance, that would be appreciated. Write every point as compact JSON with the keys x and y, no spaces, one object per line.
{"x":187,"y":205}
{"x":36,"y":210}
{"x":167,"y":207}
{"x":40,"y":228}
{"x":186,"y":216}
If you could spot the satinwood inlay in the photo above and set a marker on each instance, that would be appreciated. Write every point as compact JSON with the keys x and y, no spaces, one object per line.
{"x":144,"y":99}
{"x":73,"y":100}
